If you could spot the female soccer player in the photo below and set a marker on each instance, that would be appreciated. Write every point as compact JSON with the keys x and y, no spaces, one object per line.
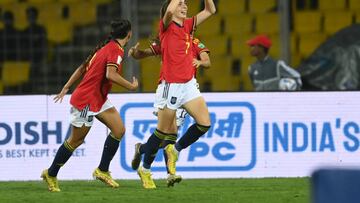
{"x":200,"y":59}
{"x":178,"y":88}
{"x":89,"y":99}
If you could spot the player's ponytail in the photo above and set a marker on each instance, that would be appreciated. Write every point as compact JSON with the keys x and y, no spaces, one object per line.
{"x":119,"y":30}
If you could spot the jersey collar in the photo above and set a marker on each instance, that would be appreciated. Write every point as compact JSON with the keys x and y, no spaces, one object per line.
{"x":177,"y":24}
{"x":118,"y":44}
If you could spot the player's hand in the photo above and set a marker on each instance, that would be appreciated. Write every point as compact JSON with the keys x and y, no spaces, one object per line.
{"x":134,"y":85}
{"x":196,"y":63}
{"x":133,"y":50}
{"x":61,"y":95}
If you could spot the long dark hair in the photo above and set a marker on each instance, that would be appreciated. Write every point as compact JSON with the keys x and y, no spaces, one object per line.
{"x":119,"y":30}
{"x":164,"y":7}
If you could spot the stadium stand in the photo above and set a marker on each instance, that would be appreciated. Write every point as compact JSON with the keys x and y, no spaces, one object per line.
{"x":336,"y":20}
{"x":15,"y":73}
{"x":193,"y":7}
{"x":307,"y":22}
{"x":261,"y":6}
{"x":218,"y":45}
{"x":6,"y":2}
{"x":64,"y":22}
{"x":357,"y":17}
{"x":275,"y":50}
{"x":309,"y":42}
{"x":354,"y":5}
{"x":263,"y":21}
{"x":71,"y":36}
{"x":232,"y":23}
{"x":220,"y":73}
{"x":238,"y":45}
{"x":19,"y":14}
{"x":245,"y":81}
{"x":40,"y":1}
{"x":49,"y":12}
{"x":226,"y":7}
{"x":332,"y":5}
{"x":150,"y":69}
{"x":77,"y":11}
{"x":221,"y":66}
{"x":214,"y":24}
{"x":60,"y":31}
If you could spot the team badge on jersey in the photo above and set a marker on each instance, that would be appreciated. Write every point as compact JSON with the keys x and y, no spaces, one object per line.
{"x":119,"y":59}
{"x":201,"y":45}
{"x":173,"y":100}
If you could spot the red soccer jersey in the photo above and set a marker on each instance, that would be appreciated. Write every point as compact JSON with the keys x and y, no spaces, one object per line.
{"x":197,"y":46}
{"x":94,"y":87}
{"x":176,"y":49}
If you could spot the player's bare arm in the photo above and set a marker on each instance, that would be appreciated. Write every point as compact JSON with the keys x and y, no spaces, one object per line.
{"x":74,"y":77}
{"x":170,"y":12}
{"x":136,"y":53}
{"x":208,"y":11}
{"x":115,"y":77}
{"x":204,"y":61}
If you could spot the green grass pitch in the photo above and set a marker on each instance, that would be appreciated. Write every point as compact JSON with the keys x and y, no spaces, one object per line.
{"x":262,"y":190}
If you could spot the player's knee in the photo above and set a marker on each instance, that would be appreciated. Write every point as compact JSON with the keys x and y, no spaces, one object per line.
{"x":118,"y":133}
{"x":204,"y":121}
{"x":75,"y":143}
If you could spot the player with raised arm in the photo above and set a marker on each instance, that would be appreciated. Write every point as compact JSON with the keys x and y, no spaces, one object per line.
{"x":178,"y":87}
{"x":201,"y":59}
{"x":89,"y":100}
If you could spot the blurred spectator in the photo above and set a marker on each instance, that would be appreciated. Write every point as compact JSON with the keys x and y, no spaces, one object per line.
{"x":268,"y":74}
{"x":9,"y":38}
{"x":34,"y":38}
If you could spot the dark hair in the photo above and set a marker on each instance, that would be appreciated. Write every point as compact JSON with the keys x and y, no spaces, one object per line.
{"x":119,"y":30}
{"x":8,"y":16}
{"x":32,"y":10}
{"x":164,"y":8}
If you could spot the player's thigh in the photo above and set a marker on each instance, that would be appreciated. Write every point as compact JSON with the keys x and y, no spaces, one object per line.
{"x":197,"y":108}
{"x":77,"y":135}
{"x":111,"y":118}
{"x":166,"y":118}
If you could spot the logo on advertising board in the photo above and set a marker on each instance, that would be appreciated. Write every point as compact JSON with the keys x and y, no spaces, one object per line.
{"x":229,"y":145}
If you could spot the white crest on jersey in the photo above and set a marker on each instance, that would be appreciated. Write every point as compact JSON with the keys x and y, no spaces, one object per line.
{"x":119,"y":59}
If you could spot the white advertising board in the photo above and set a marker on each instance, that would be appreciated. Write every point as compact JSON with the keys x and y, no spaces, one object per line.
{"x":252,"y":135}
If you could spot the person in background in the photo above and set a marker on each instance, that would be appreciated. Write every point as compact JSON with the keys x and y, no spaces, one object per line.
{"x":268,"y":74}
{"x":34,"y":38}
{"x":9,"y":39}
